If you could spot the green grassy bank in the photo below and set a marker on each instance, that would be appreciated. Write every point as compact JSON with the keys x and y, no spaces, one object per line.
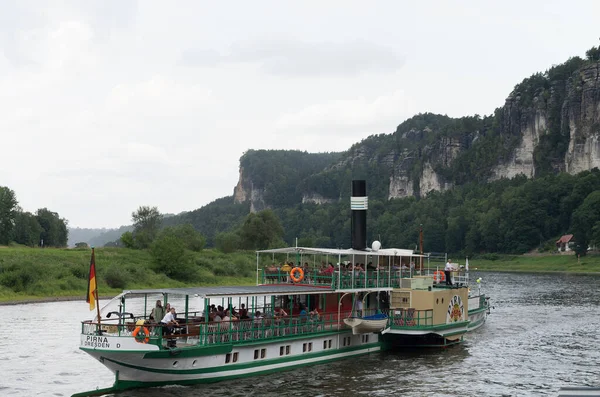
{"x":536,"y":263}
{"x":32,"y":274}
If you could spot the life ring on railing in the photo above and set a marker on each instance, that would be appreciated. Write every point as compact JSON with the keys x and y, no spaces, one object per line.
{"x":140,"y":338}
{"x":439,"y":276}
{"x":298,"y":278}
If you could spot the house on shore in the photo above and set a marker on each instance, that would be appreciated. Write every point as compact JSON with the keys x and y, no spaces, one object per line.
{"x":565,"y":243}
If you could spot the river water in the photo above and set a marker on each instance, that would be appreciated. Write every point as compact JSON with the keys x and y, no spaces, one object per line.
{"x":543,"y":334}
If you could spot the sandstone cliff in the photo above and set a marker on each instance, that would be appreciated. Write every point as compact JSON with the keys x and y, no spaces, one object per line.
{"x":550,"y":123}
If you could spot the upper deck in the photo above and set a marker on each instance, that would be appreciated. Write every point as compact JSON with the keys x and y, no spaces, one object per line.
{"x":379,"y":279}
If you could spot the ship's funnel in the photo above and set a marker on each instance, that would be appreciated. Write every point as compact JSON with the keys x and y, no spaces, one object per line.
{"x":359,"y":203}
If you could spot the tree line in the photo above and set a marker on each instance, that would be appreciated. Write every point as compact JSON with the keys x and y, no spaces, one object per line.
{"x":45,"y":228}
{"x":505,"y":216}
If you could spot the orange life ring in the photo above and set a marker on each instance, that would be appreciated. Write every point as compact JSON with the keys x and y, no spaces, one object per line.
{"x":293,"y":276}
{"x":439,"y":276}
{"x":141,"y":339}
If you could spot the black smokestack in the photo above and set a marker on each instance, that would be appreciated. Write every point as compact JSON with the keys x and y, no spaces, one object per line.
{"x":358,"y":205}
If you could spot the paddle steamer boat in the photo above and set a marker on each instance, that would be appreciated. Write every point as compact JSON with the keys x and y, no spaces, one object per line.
{"x":326,"y":316}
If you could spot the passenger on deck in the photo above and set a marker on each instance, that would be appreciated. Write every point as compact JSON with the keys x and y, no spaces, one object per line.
{"x":243,"y":313}
{"x":303,"y":312}
{"x":279,"y":312}
{"x":448,"y":272}
{"x":314,"y":314}
{"x":169,"y":322}
{"x":158,"y":312}
{"x":286,"y":269}
{"x":330,"y":269}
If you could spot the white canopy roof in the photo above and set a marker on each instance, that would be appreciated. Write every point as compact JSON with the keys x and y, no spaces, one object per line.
{"x":341,"y":252}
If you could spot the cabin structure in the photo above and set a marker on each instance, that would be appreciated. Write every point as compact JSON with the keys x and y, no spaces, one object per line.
{"x":565,"y":243}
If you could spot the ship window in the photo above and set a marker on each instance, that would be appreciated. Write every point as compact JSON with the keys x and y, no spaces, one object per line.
{"x":194,"y":363}
{"x":235,"y":357}
{"x":281,"y":350}
{"x":310,"y":346}
{"x":287,"y":349}
{"x":442,"y":300}
{"x":437,"y":301}
{"x":303,"y":347}
{"x":263,"y":353}
{"x":227,"y":358}
{"x":324,"y":344}
{"x":329,"y":343}
{"x":256,"y":354}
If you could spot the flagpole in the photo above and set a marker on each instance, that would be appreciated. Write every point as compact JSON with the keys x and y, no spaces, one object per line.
{"x":96,"y":293}
{"x":97,"y":306}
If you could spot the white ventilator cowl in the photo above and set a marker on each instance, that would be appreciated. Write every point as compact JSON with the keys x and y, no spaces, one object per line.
{"x":376,"y":245}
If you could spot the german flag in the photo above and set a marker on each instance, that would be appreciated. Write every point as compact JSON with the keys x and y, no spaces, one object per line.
{"x":92,"y":291}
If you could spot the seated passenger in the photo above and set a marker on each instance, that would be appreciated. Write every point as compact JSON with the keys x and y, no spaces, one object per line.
{"x":169,"y":322}
{"x":243,"y":313}
{"x":314,"y":314}
{"x":279,"y":312}
{"x":258,"y":317}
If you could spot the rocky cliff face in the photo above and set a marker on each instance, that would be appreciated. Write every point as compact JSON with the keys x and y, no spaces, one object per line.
{"x":529,"y":127}
{"x":582,"y":115}
{"x":244,"y":191}
{"x":550,"y":123}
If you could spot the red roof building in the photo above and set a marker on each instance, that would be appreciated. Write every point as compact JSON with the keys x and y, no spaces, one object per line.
{"x":562,"y":244}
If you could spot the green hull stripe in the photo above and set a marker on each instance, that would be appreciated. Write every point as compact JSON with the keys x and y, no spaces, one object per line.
{"x":257,"y":363}
{"x":475,"y":311}
{"x":476,"y":323}
{"x":126,"y":385}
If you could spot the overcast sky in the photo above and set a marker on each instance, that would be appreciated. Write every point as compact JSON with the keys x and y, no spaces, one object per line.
{"x":109,"y":105}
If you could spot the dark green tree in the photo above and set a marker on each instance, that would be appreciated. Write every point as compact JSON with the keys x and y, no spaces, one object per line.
{"x":146,"y":224}
{"x":261,"y":231}
{"x":227,"y":242}
{"x":593,"y":54}
{"x":191,"y":239}
{"x":170,"y":258}
{"x":54,"y":228}
{"x":127,"y":240}
{"x":8,"y":210}
{"x":585,"y":218}
{"x":27,"y":229}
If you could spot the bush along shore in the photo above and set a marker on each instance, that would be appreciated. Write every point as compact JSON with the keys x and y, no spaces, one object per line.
{"x":34,"y":274}
{"x":51,"y":274}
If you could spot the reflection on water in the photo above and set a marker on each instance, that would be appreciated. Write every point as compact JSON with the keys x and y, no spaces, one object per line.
{"x":542,"y":334}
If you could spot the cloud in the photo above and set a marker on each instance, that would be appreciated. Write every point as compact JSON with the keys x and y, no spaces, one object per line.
{"x":288,"y":57}
{"x":358,"y":114}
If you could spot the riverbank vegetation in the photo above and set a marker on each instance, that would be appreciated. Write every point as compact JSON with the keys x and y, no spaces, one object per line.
{"x":34,"y":273}
{"x":29,"y":273}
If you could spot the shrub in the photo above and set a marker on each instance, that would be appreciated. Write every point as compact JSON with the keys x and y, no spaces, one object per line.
{"x":227,"y":242}
{"x":170,"y":258}
{"x":116,"y":278}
